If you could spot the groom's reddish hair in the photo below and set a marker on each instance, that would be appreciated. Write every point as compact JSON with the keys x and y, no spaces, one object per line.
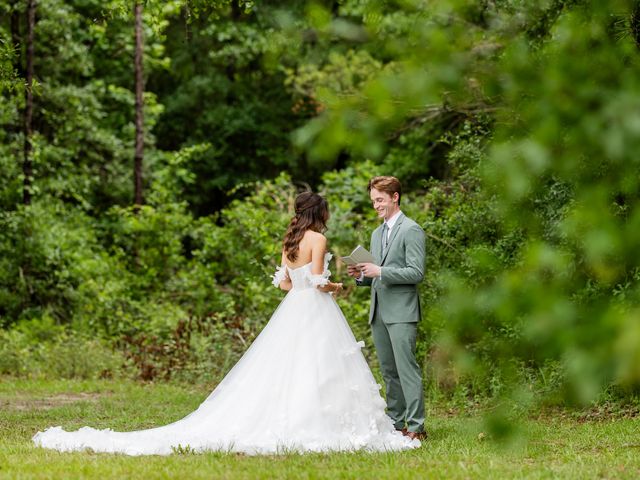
{"x":387,"y":184}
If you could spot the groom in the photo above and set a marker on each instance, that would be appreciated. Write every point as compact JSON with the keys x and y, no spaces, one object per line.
{"x":398,"y":247}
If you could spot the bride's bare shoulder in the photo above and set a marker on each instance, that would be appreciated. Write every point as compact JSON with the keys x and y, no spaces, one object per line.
{"x":315,"y":237}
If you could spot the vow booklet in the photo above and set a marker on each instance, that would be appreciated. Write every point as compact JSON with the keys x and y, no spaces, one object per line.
{"x":359,"y":255}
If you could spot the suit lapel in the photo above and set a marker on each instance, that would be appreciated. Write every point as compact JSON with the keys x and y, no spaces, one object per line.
{"x":394,"y":233}
{"x":376,"y":245}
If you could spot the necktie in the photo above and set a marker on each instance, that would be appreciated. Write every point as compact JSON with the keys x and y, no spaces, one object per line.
{"x":385,"y":237}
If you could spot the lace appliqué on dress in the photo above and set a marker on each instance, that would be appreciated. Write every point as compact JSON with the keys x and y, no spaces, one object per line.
{"x":354,"y":349}
{"x":279,"y":276}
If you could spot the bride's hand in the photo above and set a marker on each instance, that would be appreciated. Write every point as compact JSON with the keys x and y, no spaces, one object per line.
{"x":337,"y":288}
{"x":331,"y":288}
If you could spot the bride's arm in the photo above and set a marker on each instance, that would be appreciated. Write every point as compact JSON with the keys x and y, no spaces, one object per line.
{"x":331,"y":287}
{"x":318,"y":251}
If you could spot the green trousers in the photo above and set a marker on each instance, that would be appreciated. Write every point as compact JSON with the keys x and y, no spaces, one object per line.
{"x":396,"y":348}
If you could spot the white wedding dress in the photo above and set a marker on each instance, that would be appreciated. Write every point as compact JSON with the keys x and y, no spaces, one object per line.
{"x":302,"y":386}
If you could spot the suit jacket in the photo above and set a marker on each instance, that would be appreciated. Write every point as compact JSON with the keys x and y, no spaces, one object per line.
{"x":395,"y":293}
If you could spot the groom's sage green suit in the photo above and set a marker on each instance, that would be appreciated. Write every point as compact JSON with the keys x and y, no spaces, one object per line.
{"x":394,"y":316}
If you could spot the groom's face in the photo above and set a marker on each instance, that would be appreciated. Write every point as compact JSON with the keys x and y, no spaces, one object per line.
{"x":384,"y":204}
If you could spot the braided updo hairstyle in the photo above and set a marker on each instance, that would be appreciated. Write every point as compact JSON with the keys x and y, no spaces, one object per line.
{"x":312,"y":213}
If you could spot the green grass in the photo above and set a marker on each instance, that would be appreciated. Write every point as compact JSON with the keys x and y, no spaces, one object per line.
{"x":554,"y":446}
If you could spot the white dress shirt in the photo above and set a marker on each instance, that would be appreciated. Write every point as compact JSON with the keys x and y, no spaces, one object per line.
{"x":391,"y":222}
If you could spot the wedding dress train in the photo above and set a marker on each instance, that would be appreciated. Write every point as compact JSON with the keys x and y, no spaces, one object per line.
{"x":302,"y":386}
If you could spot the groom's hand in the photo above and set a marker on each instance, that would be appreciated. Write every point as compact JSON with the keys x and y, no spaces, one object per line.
{"x":353,"y":271}
{"x":370,"y":270}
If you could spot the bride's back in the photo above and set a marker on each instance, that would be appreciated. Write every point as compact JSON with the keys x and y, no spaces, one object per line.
{"x":310,"y":241}
{"x":310,"y":269}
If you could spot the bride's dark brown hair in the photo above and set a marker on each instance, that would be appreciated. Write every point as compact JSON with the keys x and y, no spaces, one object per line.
{"x":312,"y":213}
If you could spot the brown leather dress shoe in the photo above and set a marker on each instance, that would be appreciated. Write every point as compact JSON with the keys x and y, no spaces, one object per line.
{"x":416,"y":435}
{"x":402,"y":430}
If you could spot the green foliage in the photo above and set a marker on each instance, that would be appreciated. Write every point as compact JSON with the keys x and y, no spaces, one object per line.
{"x":46,"y":250}
{"x":577,"y":156}
{"x":8,"y":75}
{"x":40,"y":348}
{"x":532,"y":240}
{"x":223,"y":89}
{"x":83,"y":115}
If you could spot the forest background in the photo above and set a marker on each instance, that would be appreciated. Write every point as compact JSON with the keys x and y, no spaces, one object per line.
{"x":141,"y":219}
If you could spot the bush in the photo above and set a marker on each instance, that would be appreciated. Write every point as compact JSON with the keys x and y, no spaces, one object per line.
{"x":41,"y":349}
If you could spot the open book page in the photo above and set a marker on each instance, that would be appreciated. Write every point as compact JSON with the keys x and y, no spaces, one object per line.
{"x":359,"y":255}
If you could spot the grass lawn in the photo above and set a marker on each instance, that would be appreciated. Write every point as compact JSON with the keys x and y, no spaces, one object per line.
{"x":555,"y":445}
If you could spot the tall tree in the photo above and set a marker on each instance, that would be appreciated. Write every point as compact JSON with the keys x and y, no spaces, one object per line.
{"x":27,"y":165}
{"x":139,"y":105}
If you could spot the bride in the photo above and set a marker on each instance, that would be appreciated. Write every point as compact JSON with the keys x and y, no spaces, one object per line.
{"x":302,"y":386}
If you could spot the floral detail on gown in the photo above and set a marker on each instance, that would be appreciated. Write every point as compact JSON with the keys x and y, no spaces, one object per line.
{"x":280,"y":275}
{"x":303,"y":385}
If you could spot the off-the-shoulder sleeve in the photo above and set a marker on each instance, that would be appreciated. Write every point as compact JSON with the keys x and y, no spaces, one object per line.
{"x":322,"y":279}
{"x":279,"y":276}
{"x":319,"y":280}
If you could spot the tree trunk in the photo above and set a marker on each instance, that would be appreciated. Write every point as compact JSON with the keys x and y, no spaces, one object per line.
{"x":139,"y":107}
{"x":27,"y":166}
